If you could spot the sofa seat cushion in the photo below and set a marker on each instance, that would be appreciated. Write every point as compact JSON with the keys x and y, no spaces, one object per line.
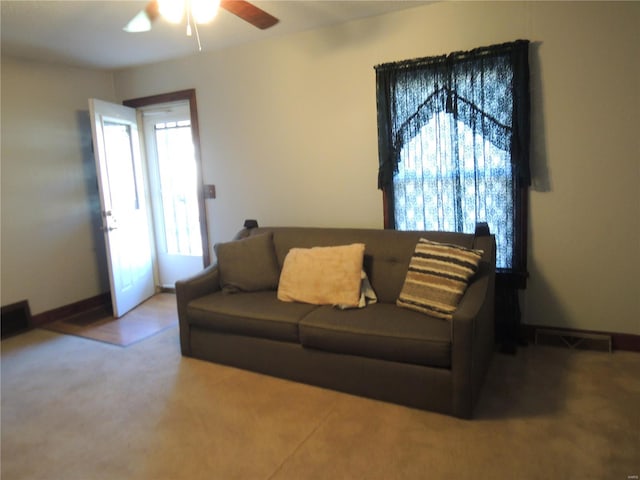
{"x":382,"y":331}
{"x":256,"y":314}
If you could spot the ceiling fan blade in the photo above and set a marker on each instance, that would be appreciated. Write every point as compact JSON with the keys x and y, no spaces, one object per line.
{"x":249,"y":13}
{"x":142,"y":21}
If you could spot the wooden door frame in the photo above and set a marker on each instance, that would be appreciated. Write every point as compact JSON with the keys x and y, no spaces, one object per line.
{"x":190,"y":96}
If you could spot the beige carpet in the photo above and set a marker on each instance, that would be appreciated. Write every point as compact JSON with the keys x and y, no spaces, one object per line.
{"x":74,"y":409}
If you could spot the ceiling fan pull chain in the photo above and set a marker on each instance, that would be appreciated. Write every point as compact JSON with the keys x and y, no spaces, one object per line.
{"x":188,"y":10}
{"x":195,"y":26}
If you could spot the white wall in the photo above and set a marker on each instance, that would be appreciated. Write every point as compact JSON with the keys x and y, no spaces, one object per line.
{"x":288,"y":131}
{"x":585,"y":214}
{"x":52,"y":250}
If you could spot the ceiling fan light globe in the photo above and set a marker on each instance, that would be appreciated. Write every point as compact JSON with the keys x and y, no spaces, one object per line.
{"x":139,"y":23}
{"x":171,"y":10}
{"x":203,"y":11}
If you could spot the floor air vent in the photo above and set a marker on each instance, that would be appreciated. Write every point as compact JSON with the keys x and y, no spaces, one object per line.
{"x":15,"y":318}
{"x":576,"y":340}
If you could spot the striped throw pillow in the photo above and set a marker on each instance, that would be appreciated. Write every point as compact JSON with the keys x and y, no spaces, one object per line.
{"x":437,"y":278}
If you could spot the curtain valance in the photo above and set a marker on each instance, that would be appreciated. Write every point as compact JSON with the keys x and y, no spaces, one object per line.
{"x":487,"y":86}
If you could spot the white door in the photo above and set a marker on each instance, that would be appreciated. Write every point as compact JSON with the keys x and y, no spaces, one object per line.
{"x":173,"y":180}
{"x":123,"y":202}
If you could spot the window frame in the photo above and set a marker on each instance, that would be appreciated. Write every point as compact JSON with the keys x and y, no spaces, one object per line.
{"x":515,"y":277}
{"x":190,"y":96}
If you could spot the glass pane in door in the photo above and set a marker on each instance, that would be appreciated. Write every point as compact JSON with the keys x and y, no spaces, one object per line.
{"x":121,"y":171}
{"x":178,"y":184}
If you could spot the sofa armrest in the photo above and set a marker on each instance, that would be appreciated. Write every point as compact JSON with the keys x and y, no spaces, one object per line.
{"x":205,"y":282}
{"x":472,"y":340}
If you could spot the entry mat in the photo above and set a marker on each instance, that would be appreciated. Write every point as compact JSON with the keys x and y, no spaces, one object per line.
{"x":146,"y":320}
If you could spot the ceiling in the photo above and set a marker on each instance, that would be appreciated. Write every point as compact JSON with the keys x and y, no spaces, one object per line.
{"x":88,"y":33}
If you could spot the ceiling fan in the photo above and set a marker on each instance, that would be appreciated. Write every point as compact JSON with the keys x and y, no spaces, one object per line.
{"x":197,"y":11}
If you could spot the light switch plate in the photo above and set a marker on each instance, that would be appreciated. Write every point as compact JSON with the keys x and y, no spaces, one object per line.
{"x":209,"y":191}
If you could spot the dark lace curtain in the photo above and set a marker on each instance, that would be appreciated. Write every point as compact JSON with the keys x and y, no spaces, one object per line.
{"x":454,"y":145}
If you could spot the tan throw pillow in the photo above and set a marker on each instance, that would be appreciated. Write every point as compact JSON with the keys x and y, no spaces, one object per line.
{"x":322,"y":275}
{"x":437,"y":278}
{"x":248,"y":265}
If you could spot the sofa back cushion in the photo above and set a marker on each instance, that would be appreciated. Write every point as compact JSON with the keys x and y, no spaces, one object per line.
{"x":387,"y":252}
{"x":248,"y":264}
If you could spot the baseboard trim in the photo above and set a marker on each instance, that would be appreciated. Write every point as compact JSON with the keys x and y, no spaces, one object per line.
{"x":619,"y":341}
{"x":66,"y":311}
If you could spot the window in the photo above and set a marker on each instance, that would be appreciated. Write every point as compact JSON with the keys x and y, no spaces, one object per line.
{"x":435,"y":190}
{"x":454,"y":146}
{"x":177,"y":172}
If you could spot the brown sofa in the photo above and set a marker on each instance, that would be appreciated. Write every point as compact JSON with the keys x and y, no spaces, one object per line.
{"x":381,"y":351}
